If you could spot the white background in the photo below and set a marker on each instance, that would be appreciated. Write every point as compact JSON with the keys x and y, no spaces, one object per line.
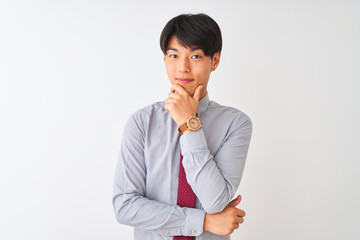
{"x":71,"y":73}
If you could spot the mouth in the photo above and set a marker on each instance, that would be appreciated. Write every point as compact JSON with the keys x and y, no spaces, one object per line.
{"x":184,"y":80}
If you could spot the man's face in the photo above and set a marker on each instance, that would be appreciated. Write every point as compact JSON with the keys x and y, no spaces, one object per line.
{"x":189,"y":67}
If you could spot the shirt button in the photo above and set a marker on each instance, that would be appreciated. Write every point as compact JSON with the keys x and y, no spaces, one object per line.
{"x":194,"y":231}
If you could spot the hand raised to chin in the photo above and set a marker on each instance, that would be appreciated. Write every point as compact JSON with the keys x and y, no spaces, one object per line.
{"x":180,"y":105}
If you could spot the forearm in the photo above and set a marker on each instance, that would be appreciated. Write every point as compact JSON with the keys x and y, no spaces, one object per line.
{"x":143,"y":213}
{"x":214,"y":183}
{"x":207,"y":181}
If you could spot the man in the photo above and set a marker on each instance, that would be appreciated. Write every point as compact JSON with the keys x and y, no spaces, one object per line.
{"x":181,"y":160}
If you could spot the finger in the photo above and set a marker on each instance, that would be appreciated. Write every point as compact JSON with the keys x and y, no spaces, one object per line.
{"x":240,"y":213}
{"x":239,"y":220}
{"x":197,"y":93}
{"x":168,"y":105}
{"x":235,"y":202}
{"x":236,"y":225}
{"x":167,"y":108}
{"x":173,"y":95}
{"x":179,"y":89}
{"x":170,"y":100}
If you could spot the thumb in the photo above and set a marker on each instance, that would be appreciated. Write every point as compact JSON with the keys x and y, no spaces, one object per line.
{"x":235,"y":202}
{"x":197,"y":93}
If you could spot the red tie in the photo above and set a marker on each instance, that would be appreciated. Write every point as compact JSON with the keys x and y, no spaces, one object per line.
{"x":186,"y":196}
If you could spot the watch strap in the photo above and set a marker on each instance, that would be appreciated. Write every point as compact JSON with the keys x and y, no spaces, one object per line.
{"x":183,"y":127}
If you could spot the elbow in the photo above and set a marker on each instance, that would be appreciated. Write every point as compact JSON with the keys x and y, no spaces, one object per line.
{"x":121,"y":217}
{"x":215,"y":207}
{"x":218,"y":204}
{"x":122,"y":209}
{"x":123,"y":220}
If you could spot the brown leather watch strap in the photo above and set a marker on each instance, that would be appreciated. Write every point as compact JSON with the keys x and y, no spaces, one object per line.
{"x":183,"y":128}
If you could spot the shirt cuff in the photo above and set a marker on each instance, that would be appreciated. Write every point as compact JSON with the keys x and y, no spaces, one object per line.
{"x":194,"y":222}
{"x":193,"y":141}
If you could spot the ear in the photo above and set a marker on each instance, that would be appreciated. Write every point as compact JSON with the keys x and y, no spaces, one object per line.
{"x":164,"y":57}
{"x":215,"y":61}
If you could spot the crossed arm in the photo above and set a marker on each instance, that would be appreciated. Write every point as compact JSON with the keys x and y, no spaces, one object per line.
{"x":219,"y":216}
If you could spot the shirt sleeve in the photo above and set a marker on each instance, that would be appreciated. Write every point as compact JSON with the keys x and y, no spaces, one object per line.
{"x":215,"y":179}
{"x":129,"y":204}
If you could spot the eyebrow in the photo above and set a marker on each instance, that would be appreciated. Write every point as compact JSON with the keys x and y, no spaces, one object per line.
{"x":176,"y":50}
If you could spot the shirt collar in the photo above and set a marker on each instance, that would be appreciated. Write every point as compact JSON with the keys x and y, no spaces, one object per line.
{"x":203,"y":104}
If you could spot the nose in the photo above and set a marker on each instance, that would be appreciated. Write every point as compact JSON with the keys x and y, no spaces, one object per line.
{"x":184,"y":65}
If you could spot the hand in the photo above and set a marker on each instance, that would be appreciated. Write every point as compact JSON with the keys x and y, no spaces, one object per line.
{"x":180,"y":105}
{"x":225,"y":222}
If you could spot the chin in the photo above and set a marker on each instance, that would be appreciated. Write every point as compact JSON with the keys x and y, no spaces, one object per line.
{"x":190,"y":91}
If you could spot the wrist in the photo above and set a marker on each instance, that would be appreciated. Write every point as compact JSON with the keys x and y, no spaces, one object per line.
{"x":193,"y":123}
{"x":207,"y":222}
{"x":186,"y":131}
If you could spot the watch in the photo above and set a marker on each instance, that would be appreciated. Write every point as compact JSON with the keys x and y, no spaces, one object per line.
{"x":193,"y":124}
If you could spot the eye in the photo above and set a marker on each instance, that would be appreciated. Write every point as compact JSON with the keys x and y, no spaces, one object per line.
{"x":172,"y":55}
{"x":195,"y":56}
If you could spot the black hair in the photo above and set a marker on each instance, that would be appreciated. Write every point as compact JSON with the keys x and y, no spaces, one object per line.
{"x":193,"y":30}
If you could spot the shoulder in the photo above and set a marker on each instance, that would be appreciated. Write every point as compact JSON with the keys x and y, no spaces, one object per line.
{"x":143,"y":115}
{"x":230,"y":114}
{"x":137,"y":124}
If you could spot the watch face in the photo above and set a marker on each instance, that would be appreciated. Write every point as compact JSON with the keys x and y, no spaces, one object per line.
{"x":194,"y":123}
